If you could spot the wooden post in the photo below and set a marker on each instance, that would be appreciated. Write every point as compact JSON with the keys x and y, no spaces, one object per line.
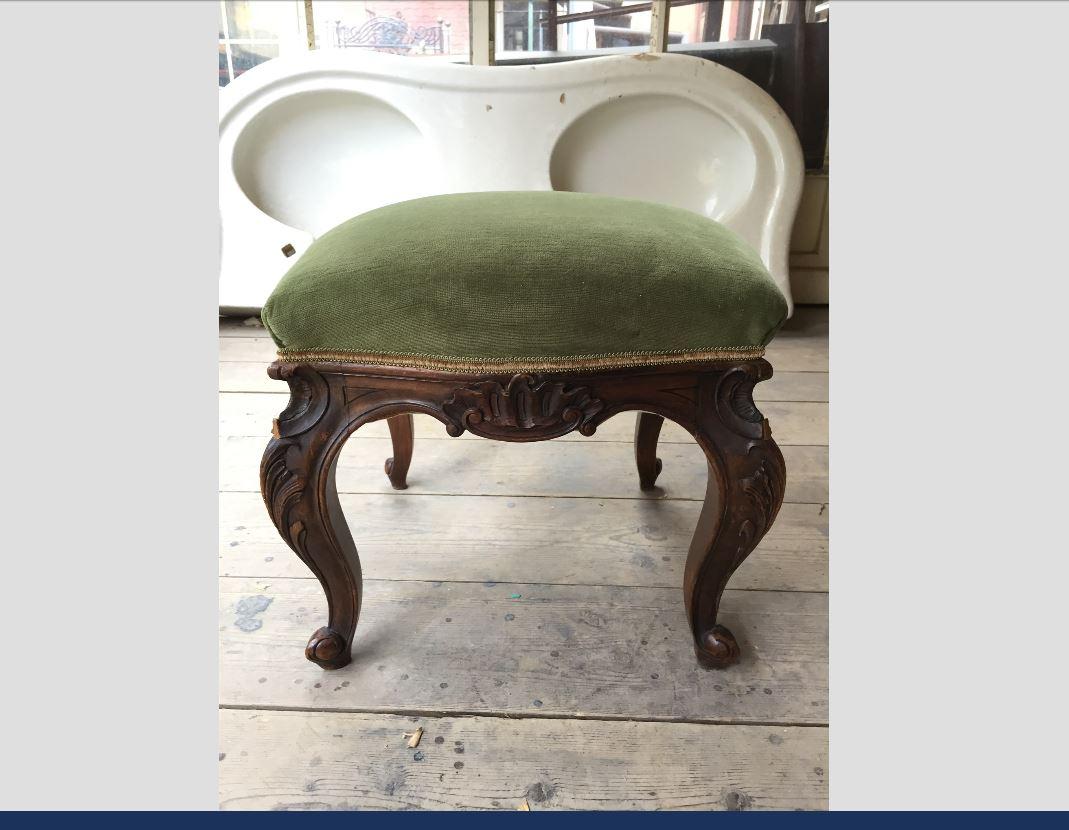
{"x":714,"y":15}
{"x":482,"y":32}
{"x":309,"y":25}
{"x":742,"y":26}
{"x":659,"y":26}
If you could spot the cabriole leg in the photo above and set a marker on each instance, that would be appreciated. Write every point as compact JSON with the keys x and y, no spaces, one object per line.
{"x":402,"y":432}
{"x":647,"y":428}
{"x":746,"y":482}
{"x":297,"y":482}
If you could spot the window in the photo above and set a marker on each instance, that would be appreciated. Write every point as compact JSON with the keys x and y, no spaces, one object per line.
{"x":253,"y":32}
{"x":417,"y":28}
{"x":525,"y":26}
{"x":710,"y":21}
{"x":561,"y":26}
{"x":786,"y":53}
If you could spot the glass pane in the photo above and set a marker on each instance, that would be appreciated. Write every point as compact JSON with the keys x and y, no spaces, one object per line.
{"x":224,"y":73}
{"x":789,"y":11}
{"x":402,"y":27}
{"x":696,"y":22}
{"x":524,"y":26}
{"x":222,"y":30}
{"x":742,"y":21}
{"x":259,"y":19}
{"x":248,"y":55}
{"x":570,"y":25}
{"x":712,"y":20}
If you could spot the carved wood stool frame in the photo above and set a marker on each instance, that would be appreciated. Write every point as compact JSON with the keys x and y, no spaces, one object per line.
{"x":713,"y":401}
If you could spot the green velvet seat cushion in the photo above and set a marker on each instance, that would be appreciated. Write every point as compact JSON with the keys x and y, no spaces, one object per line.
{"x":525,"y":280}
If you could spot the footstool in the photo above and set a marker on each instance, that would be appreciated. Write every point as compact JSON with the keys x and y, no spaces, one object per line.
{"x":524,"y":316}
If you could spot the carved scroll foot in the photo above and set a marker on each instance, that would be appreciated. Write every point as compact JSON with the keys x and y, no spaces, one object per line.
{"x":746,"y":482}
{"x":716,"y":648}
{"x":402,"y":432}
{"x":327,"y":649}
{"x":647,"y":428}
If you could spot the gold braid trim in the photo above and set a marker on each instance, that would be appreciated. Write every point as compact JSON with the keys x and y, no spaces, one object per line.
{"x":622,"y":360}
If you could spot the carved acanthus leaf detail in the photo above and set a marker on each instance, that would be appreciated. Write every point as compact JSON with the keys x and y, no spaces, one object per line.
{"x":762,"y":492}
{"x":762,"y":489}
{"x":282,"y":487}
{"x":526,"y":409}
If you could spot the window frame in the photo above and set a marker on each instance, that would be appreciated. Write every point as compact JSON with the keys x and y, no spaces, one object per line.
{"x":779,"y":61}
{"x":289,"y":42}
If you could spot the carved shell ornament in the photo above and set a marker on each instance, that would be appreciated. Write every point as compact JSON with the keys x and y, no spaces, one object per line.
{"x":527,"y":404}
{"x":735,"y":403}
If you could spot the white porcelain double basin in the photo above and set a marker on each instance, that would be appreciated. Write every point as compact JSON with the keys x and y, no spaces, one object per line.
{"x":310,"y":141}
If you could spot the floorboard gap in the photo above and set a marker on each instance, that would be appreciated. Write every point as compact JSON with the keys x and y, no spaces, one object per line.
{"x":312,"y":577}
{"x":464,"y":713}
{"x":410,"y":493}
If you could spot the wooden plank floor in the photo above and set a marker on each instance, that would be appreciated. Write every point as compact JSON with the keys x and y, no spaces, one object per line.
{"x":528,"y":616}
